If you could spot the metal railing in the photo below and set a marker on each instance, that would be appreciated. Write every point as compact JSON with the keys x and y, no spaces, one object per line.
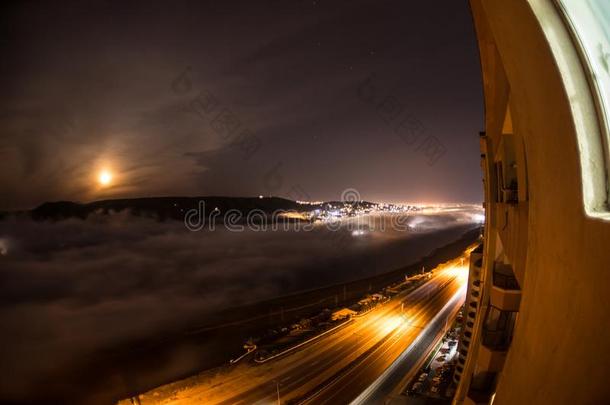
{"x":505,"y":281}
{"x":497,"y":339}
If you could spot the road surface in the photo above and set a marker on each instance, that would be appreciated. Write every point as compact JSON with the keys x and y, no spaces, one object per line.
{"x":339,"y":367}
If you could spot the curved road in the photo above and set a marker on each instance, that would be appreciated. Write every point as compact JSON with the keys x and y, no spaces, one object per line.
{"x":334,"y":369}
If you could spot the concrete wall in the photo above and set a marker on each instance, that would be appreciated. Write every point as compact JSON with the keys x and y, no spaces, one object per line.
{"x":559,"y":353}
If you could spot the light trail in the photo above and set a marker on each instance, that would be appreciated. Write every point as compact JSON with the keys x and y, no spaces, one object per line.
{"x":336,"y":368}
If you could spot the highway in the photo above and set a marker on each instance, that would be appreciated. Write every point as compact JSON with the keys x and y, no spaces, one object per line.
{"x":339,"y":367}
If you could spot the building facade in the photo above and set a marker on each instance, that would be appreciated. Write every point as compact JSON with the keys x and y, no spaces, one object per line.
{"x":537,"y":315}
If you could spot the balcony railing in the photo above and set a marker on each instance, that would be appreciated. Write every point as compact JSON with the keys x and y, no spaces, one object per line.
{"x":505,"y":279}
{"x":498,"y":328}
{"x":497,"y":339}
{"x":482,"y":387}
{"x":510,"y":195}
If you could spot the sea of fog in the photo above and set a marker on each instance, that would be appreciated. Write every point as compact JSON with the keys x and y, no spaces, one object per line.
{"x":74,"y":287}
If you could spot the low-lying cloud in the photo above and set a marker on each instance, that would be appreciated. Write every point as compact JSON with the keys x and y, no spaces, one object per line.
{"x":73,"y":287}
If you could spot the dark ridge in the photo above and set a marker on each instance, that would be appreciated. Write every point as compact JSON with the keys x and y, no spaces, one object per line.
{"x":59,"y":210}
{"x":163,"y":208}
{"x":174,"y":208}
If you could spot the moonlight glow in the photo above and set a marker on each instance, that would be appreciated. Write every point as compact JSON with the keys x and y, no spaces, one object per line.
{"x":105,"y":177}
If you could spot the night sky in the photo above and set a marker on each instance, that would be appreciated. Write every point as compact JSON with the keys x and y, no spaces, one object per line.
{"x":300,"y":99}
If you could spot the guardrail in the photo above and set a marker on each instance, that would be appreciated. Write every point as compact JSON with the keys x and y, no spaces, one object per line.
{"x":290,"y":349}
{"x":380,"y":304}
{"x":250,"y":350}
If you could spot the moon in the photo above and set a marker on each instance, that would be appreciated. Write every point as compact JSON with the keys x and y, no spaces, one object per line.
{"x":104,"y":178}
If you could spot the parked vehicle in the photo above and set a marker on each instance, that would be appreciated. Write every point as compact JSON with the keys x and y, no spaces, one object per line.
{"x":417,"y":388}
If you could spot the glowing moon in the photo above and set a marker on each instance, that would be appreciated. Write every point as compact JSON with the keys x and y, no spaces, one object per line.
{"x":105,"y":177}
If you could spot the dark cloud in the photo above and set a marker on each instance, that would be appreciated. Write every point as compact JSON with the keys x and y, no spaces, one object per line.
{"x":90,"y":83}
{"x":74,"y":288}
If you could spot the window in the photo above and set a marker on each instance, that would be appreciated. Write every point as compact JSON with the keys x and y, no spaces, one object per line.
{"x":498,"y":328}
{"x":590,"y":19}
{"x":506,"y":180}
{"x":589,"y":23}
